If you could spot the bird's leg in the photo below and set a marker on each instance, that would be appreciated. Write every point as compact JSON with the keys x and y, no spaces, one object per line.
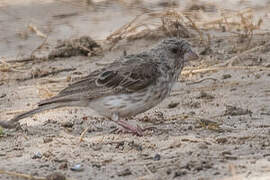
{"x":127,"y":127}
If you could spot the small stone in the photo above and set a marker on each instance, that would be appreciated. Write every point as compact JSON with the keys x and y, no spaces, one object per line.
{"x":173,"y":105}
{"x":257,"y":76}
{"x":44,"y":165}
{"x":47,"y":139}
{"x":37,"y":155}
{"x":204,"y":95}
{"x":226,"y":76}
{"x":224,"y":153}
{"x":125,"y":172}
{"x":136,"y":146}
{"x":221,"y":140}
{"x":47,"y":154}
{"x":3,"y":95}
{"x":95,"y":165}
{"x":230,"y":157}
{"x":63,"y":166}
{"x":179,"y":173}
{"x":157,"y":157}
{"x":67,"y":124}
{"x":77,"y":168}
{"x":2,"y":154}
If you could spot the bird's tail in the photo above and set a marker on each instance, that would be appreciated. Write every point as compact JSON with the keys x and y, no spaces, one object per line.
{"x":43,"y":106}
{"x":13,"y":122}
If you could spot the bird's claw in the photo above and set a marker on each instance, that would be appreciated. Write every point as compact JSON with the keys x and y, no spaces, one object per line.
{"x":127,"y":128}
{"x":134,"y":130}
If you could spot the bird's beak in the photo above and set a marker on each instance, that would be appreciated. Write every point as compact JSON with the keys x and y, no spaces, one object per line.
{"x":191,"y":55}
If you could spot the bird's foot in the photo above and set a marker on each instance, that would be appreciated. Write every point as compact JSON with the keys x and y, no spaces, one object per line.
{"x":127,"y":128}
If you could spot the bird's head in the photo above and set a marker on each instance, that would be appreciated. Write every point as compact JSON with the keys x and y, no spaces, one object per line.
{"x":176,"y":50}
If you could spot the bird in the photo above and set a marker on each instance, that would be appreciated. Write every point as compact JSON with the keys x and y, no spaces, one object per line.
{"x":130,"y":85}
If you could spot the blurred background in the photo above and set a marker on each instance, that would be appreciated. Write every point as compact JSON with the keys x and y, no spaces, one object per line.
{"x":65,"y":19}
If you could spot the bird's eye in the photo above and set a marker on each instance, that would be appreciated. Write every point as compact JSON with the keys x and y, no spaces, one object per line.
{"x":174,"y":50}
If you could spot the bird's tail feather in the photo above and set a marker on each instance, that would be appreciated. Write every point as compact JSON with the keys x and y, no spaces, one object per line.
{"x":43,"y":107}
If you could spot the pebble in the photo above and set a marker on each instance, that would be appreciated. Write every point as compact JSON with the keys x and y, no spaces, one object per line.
{"x":47,"y":139}
{"x":125,"y":172}
{"x":77,"y":168}
{"x":179,"y":173}
{"x":226,"y":76}
{"x":3,"y":95}
{"x":222,"y":140}
{"x":37,"y":155}
{"x":173,"y":105}
{"x":67,"y":124}
{"x":204,"y":95}
{"x":63,"y":166}
{"x":157,"y":157}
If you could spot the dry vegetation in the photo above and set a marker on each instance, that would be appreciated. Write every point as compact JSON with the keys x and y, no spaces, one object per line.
{"x":162,"y":24}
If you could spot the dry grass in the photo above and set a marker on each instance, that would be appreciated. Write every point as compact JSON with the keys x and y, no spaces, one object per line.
{"x":175,"y":23}
{"x":191,"y":70}
{"x":178,"y":24}
{"x":241,"y":22}
{"x":169,"y":22}
{"x":8,"y":67}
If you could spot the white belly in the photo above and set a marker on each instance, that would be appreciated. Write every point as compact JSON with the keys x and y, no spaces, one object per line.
{"x":127,"y":104}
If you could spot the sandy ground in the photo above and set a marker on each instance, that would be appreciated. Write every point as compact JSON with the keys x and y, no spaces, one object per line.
{"x":217,"y":128}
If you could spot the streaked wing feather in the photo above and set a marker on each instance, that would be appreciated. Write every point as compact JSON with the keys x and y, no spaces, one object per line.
{"x":129,"y":76}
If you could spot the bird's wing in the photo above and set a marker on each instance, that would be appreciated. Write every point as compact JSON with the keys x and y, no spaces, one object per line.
{"x":129,"y":75}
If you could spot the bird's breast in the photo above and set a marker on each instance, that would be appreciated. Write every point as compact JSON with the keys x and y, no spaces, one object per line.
{"x":132,"y":104}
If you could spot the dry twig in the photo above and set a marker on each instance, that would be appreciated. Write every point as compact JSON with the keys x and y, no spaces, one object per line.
{"x":46,"y":73}
{"x":33,"y":28}
{"x":83,"y":134}
{"x":7,"y":67}
{"x":197,"y":82}
{"x":187,"y":71}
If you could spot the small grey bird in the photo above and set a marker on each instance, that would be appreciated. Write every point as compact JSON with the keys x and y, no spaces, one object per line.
{"x":130,"y":85}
